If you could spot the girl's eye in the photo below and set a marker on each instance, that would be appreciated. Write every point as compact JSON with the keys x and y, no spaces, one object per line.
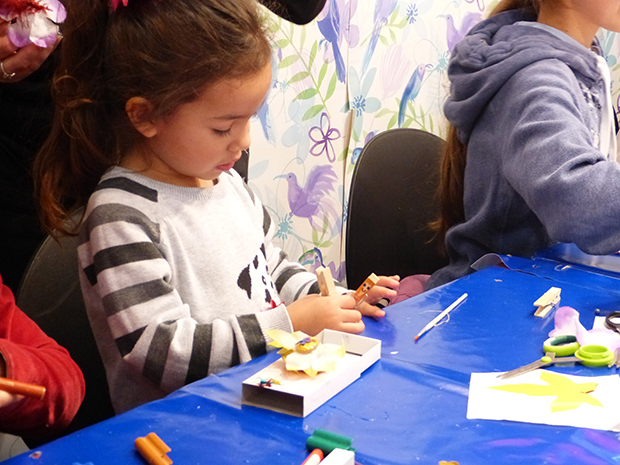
{"x":222,"y":133}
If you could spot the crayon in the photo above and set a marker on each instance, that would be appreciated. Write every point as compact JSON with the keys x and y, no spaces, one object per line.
{"x":24,"y":389}
{"x":153,"y":449}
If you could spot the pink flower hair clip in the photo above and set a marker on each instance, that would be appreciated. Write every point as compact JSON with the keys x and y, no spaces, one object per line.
{"x":33,"y":21}
{"x":115,"y":3}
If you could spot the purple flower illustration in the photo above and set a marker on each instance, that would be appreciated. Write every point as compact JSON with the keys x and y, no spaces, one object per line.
{"x":322,"y":136}
{"x":479,"y":2}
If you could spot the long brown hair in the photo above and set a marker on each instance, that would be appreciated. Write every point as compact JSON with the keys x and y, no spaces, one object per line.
{"x":164,"y":51}
{"x":452,"y":170}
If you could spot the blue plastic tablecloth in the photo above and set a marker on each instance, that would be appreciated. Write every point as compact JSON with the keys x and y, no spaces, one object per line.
{"x":408,"y":408}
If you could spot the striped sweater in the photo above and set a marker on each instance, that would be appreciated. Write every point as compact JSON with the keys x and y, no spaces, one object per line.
{"x":180,"y":282}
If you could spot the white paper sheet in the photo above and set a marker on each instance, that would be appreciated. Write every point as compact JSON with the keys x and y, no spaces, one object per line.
{"x":598,"y":409}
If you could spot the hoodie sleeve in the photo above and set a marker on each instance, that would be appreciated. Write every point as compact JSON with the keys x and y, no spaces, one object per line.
{"x":552,"y":160}
{"x":33,"y":357}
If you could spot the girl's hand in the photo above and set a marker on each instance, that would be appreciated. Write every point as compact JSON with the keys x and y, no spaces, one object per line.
{"x":5,"y":397}
{"x":314,"y":313}
{"x":20,"y":63}
{"x":384,"y":289}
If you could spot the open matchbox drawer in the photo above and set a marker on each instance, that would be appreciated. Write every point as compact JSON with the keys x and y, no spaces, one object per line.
{"x":299,"y":394}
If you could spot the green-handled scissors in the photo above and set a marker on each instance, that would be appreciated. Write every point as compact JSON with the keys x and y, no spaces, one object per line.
{"x":560,"y":349}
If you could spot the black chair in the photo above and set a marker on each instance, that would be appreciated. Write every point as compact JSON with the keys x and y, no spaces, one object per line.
{"x":391,"y":201}
{"x":241,"y":166}
{"x":50,"y":294}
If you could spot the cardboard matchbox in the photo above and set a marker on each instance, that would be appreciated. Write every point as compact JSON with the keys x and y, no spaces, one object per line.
{"x":299,"y":394}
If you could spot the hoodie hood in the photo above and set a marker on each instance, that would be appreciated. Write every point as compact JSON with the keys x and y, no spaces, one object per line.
{"x":493,"y":51}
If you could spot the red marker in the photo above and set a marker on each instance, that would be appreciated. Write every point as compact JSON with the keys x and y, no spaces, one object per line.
{"x":314,"y":458}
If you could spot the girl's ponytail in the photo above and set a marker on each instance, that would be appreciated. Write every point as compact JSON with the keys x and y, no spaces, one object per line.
{"x":506,"y":5}
{"x":77,"y":151}
{"x":450,"y":189}
{"x":452,"y":172}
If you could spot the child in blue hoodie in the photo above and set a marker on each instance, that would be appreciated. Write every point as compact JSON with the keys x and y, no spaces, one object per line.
{"x":531,"y":155}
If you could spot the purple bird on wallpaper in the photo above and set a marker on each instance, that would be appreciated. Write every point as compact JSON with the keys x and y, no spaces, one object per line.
{"x":312,"y":201}
{"x":383,"y":10}
{"x":337,"y":273}
{"x":454,"y":35}
{"x":412,"y":89}
{"x":330,"y":28}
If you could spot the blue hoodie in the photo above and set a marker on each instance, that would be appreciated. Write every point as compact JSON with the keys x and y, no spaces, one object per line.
{"x":528,"y":102}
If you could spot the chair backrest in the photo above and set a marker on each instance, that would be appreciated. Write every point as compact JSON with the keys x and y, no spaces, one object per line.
{"x":391,"y":201}
{"x":50,"y":294}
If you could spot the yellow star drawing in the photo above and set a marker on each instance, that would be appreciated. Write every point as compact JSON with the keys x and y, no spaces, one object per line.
{"x":569,"y":395}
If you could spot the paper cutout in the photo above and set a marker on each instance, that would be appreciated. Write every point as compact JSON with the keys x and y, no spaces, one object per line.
{"x":304,"y":353}
{"x":570,"y":395}
{"x":299,"y":394}
{"x":567,"y":323}
{"x":490,"y":399}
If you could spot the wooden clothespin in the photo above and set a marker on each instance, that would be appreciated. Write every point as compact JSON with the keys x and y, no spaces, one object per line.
{"x":360,"y":294}
{"x":547,"y":301}
{"x":153,"y":449}
{"x":325,"y":279}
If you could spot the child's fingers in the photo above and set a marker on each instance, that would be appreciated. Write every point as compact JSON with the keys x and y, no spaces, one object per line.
{"x":379,"y":292}
{"x":346,"y":301}
{"x":382,"y":292}
{"x":367,"y":309}
{"x":351,"y":316}
{"x":6,"y":398}
{"x":354,"y":328}
{"x":389,"y":281}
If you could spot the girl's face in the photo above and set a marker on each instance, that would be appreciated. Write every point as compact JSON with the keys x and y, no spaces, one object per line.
{"x":581,"y":19}
{"x":201,"y":139}
{"x":601,"y":13}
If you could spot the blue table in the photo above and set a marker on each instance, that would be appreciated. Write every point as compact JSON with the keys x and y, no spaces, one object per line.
{"x":408,"y":408}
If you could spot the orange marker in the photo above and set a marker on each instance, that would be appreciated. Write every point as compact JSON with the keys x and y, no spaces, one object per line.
{"x":314,"y":458}
{"x":24,"y":389}
{"x":153,"y":449}
{"x":362,"y":291}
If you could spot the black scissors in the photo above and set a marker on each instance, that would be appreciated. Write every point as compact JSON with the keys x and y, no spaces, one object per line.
{"x":612,"y":321}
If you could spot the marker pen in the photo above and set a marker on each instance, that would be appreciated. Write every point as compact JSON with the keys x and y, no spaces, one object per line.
{"x":314,"y":458}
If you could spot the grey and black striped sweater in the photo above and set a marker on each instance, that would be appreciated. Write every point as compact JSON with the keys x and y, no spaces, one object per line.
{"x":179,"y":282}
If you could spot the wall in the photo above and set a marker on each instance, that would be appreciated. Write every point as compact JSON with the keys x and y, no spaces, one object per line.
{"x":338,"y":82}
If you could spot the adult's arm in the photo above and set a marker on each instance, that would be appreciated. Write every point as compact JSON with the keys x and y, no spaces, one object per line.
{"x":31,"y":356}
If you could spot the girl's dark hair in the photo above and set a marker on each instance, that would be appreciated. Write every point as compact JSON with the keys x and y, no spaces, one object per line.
{"x":164,"y":51}
{"x":454,"y":158}
{"x":506,"y":5}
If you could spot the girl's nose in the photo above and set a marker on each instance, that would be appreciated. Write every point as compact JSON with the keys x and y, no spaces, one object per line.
{"x":242,"y":142}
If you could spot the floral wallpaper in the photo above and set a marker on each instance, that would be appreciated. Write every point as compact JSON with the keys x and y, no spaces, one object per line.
{"x":360,"y":68}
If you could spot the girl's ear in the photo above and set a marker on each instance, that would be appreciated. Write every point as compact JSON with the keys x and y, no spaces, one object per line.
{"x":138,"y":110}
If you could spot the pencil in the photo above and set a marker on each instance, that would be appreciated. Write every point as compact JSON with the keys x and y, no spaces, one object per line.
{"x":438,"y":318}
{"x":24,"y":389}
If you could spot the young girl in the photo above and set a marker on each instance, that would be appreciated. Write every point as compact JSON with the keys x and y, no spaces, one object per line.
{"x":179,"y":274}
{"x":531,"y":157}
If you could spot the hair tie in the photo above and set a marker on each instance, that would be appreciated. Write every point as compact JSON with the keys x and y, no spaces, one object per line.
{"x":116,"y":3}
